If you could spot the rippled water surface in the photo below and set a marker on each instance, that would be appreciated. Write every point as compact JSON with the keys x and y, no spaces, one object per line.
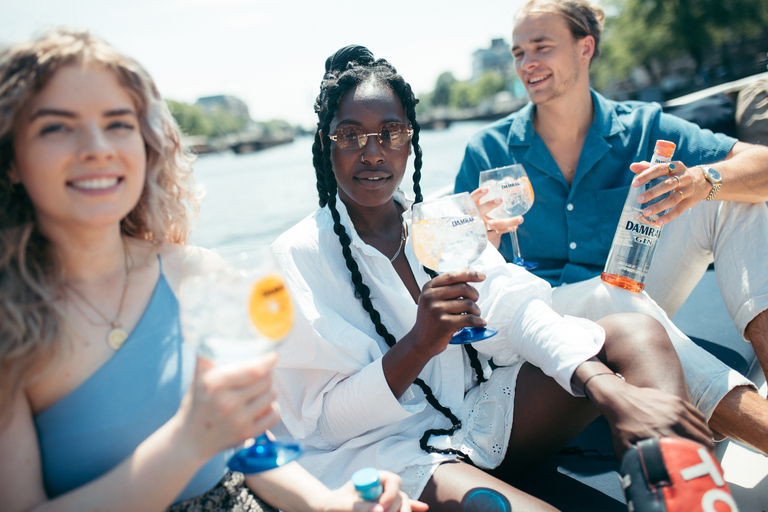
{"x":251,"y":199}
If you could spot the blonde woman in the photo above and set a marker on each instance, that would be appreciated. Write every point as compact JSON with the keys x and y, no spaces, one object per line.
{"x":101,"y":404}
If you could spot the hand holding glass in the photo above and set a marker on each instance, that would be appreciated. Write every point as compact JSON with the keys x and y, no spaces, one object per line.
{"x":238,"y":310}
{"x":449,"y":234}
{"x":512,"y":185}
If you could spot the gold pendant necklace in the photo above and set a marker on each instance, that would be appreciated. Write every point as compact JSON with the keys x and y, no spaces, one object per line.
{"x":116,"y":335}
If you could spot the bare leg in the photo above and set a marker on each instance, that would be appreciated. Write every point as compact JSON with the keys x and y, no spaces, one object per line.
{"x":636,"y":345}
{"x":757,"y":333}
{"x":742,"y":415}
{"x":547,"y":417}
{"x":460,"y":487}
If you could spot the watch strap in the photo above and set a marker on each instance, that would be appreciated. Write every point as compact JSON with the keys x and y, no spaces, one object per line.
{"x":715,"y":183}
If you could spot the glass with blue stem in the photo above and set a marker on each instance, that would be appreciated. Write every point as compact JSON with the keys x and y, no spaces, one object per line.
{"x":240,"y":308}
{"x":449,"y":234}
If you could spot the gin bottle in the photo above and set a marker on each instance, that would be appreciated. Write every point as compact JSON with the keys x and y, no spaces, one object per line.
{"x":636,"y":235}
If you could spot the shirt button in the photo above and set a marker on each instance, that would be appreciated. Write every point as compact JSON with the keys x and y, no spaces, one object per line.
{"x":569,"y":207}
{"x":573,"y":245}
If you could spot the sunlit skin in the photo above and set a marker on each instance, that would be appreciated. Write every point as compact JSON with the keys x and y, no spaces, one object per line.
{"x":548,"y":61}
{"x":79,"y":152}
{"x":80,"y":156}
{"x":554,"y":69}
{"x":368,"y":177}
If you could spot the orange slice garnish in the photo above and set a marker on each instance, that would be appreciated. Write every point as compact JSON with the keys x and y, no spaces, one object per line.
{"x":527,"y":183}
{"x":424,"y":243}
{"x":270,"y":307}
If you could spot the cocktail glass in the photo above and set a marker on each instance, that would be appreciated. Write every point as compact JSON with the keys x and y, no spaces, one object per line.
{"x":449,"y":234}
{"x":511,"y":184}
{"x":237,"y":308}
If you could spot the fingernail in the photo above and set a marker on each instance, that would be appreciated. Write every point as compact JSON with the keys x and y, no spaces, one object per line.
{"x":497,"y":200}
{"x":641,"y":198}
{"x":647,"y":212}
{"x":671,"y":166}
{"x":635,"y":183}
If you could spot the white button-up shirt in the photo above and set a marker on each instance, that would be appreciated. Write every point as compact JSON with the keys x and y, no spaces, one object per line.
{"x":330,"y":378}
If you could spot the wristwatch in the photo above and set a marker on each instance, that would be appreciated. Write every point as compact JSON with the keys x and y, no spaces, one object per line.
{"x":714,"y":178}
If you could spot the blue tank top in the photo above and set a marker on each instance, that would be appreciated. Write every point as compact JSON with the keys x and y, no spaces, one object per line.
{"x":100,"y":423}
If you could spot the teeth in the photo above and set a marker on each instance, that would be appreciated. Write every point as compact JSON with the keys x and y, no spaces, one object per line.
{"x":96,"y":183}
{"x":537,"y":80}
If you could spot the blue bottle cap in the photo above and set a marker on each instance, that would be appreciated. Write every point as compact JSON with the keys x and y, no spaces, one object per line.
{"x":367,"y":484}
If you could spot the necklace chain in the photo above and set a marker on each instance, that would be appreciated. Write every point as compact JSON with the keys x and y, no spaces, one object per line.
{"x":399,"y":247}
{"x":116,"y":335}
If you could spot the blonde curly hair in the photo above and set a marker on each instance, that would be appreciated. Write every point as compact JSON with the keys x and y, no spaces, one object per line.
{"x":30,"y":277}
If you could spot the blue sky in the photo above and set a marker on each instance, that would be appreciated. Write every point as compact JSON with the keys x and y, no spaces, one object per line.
{"x":271,"y":53}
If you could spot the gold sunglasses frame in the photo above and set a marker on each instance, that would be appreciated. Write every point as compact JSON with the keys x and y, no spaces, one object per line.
{"x":365,"y":136}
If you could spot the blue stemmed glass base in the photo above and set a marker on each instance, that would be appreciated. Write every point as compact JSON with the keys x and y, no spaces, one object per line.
{"x":527,"y":265}
{"x":472,"y":334}
{"x":265,"y":454}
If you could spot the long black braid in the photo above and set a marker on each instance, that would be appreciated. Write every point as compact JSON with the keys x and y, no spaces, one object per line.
{"x":344,"y":70}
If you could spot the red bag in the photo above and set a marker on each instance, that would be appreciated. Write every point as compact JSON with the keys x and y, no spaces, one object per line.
{"x":674,"y":475}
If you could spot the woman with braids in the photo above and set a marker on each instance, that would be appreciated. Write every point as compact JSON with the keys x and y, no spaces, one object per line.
{"x":381,"y":386}
{"x":101,"y":404}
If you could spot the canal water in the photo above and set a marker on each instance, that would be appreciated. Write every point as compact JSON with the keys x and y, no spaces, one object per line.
{"x":250,"y":199}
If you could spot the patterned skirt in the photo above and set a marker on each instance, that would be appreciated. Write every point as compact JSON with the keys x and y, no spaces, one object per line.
{"x":229,"y":495}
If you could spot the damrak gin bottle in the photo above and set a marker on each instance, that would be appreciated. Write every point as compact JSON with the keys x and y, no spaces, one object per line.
{"x":636,"y":235}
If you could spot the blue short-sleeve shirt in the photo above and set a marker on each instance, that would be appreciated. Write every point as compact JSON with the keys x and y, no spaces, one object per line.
{"x":569,"y":228}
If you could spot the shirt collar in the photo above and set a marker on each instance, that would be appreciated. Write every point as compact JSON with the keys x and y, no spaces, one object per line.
{"x":605,"y":121}
{"x":399,"y":197}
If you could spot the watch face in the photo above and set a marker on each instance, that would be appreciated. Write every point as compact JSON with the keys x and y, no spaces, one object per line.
{"x":712,"y":173}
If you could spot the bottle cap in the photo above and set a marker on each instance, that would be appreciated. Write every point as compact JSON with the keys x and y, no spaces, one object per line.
{"x":665,"y":148}
{"x":367,"y":484}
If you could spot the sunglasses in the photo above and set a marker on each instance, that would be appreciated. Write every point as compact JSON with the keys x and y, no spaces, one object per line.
{"x":391,"y":135}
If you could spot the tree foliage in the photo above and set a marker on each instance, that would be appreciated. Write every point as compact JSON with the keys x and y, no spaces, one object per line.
{"x":644,"y":31}
{"x":193,"y":120}
{"x":458,"y":94}
{"x":490,"y":83}
{"x":441,"y":96}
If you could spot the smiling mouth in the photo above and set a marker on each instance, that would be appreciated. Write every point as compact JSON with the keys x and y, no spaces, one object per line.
{"x":534,"y":81}
{"x":95,"y":183}
{"x":372,"y":182}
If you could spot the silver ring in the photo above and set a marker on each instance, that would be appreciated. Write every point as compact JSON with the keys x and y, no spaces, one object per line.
{"x":678,"y":180}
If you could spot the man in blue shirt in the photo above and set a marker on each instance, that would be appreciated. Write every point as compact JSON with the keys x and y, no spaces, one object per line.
{"x":577,"y":148}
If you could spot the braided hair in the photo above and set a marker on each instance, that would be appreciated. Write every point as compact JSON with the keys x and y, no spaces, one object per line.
{"x":344,"y":70}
